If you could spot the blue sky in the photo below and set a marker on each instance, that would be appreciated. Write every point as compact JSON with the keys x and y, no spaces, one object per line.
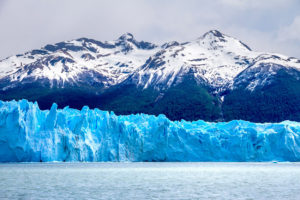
{"x":265,"y":25}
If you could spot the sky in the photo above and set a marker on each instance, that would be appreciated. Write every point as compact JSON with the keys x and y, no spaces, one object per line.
{"x":264,"y":25}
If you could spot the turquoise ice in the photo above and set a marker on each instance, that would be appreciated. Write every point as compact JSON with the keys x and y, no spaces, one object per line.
{"x":28,"y":134}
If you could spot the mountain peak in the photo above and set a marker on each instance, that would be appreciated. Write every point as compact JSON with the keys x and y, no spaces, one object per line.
{"x":128,"y":42}
{"x":214,"y":36}
{"x":214,"y":33}
{"x":218,"y":39}
{"x":126,"y":36}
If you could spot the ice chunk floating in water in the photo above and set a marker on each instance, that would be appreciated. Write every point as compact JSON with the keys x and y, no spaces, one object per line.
{"x":30,"y":134}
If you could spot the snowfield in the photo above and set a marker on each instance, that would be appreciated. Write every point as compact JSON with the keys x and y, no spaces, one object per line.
{"x":214,"y":58}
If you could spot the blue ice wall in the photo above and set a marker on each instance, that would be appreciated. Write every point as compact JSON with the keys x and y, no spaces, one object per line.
{"x":29,"y":134}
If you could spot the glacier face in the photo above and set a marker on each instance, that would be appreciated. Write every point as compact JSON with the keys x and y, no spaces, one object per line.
{"x":28,"y":134}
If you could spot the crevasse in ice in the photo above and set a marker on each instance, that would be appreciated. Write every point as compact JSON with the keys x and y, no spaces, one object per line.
{"x":29,"y":134}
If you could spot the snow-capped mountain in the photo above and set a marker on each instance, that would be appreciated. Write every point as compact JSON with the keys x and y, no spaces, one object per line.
{"x":78,"y":60}
{"x":214,"y":58}
{"x":214,"y":77}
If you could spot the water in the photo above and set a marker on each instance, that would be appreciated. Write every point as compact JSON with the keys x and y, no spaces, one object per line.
{"x":150,"y":181}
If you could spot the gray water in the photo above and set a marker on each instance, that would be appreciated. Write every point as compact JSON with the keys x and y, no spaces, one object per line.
{"x":150,"y":181}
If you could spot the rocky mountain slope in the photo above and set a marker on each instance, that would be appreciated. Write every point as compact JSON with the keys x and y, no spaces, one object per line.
{"x":214,"y":77}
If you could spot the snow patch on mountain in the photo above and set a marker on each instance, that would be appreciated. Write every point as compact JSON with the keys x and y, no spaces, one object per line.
{"x":263,"y":67}
{"x":65,"y":61}
{"x":214,"y":59}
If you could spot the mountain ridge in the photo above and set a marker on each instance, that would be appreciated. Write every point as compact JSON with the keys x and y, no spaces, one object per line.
{"x":129,"y":76}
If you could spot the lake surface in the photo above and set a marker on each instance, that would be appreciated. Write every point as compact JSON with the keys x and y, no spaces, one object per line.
{"x":150,"y":181}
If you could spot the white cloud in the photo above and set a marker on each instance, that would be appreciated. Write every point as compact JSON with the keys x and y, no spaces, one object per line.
{"x":290,"y":32}
{"x":257,"y":4}
{"x":30,"y":24}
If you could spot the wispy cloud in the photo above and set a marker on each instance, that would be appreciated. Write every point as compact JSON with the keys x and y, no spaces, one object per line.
{"x":290,"y":32}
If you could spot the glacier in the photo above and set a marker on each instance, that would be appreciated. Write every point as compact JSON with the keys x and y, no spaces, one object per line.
{"x":28,"y":134}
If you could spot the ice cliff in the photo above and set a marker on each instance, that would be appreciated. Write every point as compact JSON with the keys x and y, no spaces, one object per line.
{"x":30,"y":134}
